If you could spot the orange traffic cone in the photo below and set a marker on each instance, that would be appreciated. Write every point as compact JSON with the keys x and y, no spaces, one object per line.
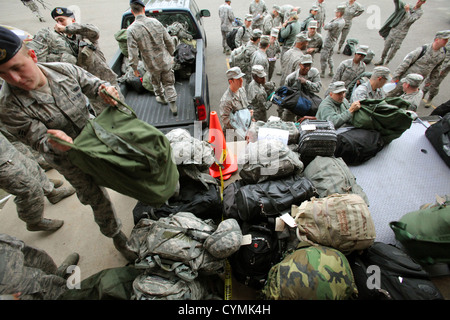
{"x":226,"y":163}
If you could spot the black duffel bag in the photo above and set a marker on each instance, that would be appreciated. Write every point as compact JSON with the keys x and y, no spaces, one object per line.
{"x":269,"y":199}
{"x":439,"y":136}
{"x":299,"y":102}
{"x":356,"y":145}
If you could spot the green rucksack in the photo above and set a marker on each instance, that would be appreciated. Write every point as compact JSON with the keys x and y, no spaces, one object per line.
{"x":425,"y":233}
{"x":121,"y":37}
{"x":387,"y":116}
{"x":126,"y":154}
{"x":311,"y":273}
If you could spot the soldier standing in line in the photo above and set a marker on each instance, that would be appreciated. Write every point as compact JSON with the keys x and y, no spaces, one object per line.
{"x":315,"y":39}
{"x":148,"y":37}
{"x":289,"y":31}
{"x":257,"y":8}
{"x":34,"y":8}
{"x":425,"y":60}
{"x":38,"y":99}
{"x":250,"y":48}
{"x":350,"y":69}
{"x":312,"y":16}
{"x":334,"y":28}
{"x":372,"y":89}
{"x":226,"y":19}
{"x":257,"y":93}
{"x":291,"y":58}
{"x":74,"y":43}
{"x":411,"y":90}
{"x":273,"y":51}
{"x":259,"y":57}
{"x":353,"y":9}
{"x":244,"y":33}
{"x":321,"y":15}
{"x":305,"y":78}
{"x":433,"y":88}
{"x":397,"y":34}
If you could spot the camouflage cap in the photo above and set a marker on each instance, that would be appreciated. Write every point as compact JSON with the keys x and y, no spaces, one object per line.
{"x":302,"y":37}
{"x":444,"y":34}
{"x":362,"y":49}
{"x":337,"y":87}
{"x":314,"y":8}
{"x":382,"y":72}
{"x":340,"y":8}
{"x":257,"y":33}
{"x":313,"y":24}
{"x":248,"y":17}
{"x":258,"y":70}
{"x":61,"y":12}
{"x":234,"y":73}
{"x":225,"y":240}
{"x":264,"y":39}
{"x":306,"y":58}
{"x":413,"y":79}
{"x":274,"y":32}
{"x":10,"y":44}
{"x":277,"y":8}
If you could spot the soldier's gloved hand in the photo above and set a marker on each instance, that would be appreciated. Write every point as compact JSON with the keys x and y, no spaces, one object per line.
{"x":61,"y":135}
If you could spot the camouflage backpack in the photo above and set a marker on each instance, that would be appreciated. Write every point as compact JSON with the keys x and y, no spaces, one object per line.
{"x":311,"y":273}
{"x":340,"y":221}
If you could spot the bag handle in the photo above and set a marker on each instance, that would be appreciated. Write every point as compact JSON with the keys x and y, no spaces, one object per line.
{"x":119,"y":102}
{"x":61,"y":141}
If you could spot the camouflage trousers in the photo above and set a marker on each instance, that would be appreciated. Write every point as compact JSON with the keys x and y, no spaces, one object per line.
{"x":28,"y":270}
{"x":164,"y":84}
{"x":34,"y":8}
{"x":392,"y":44}
{"x":25,"y":179}
{"x":89,"y":193}
{"x":326,"y":57}
{"x":433,"y":88}
{"x":344,"y":34}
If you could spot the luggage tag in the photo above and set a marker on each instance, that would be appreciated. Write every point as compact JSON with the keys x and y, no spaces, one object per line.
{"x":284,"y":219}
{"x":308,"y":127}
{"x":246,"y":240}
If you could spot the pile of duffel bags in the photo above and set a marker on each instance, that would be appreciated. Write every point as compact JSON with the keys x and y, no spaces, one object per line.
{"x":290,"y":227}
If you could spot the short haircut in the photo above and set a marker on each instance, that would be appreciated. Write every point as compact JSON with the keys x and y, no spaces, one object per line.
{"x":136,"y":8}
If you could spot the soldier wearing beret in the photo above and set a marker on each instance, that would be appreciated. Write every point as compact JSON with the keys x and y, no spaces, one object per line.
{"x":38,"y":99}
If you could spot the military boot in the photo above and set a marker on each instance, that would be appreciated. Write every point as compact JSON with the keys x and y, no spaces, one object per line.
{"x":120,"y":242}
{"x":379,"y":63}
{"x":161,"y":100}
{"x":45,"y":225}
{"x":71,"y":260}
{"x":60,"y":193}
{"x":173,"y":107}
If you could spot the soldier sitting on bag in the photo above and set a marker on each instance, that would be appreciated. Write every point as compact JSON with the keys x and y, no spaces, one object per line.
{"x":336,"y":108}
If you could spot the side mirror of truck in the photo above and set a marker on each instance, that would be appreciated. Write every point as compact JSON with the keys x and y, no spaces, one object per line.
{"x":205,"y":13}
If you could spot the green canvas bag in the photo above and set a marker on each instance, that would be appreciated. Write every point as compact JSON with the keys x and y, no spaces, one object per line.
{"x":387,"y":116}
{"x":311,"y":273}
{"x":126,"y":154}
{"x":425,"y":233}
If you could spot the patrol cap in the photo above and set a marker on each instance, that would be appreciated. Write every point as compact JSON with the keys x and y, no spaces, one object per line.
{"x":248,"y":17}
{"x":257,"y":33}
{"x":306,"y":58}
{"x":10,"y":44}
{"x":293,"y":14}
{"x":340,"y":8}
{"x":277,"y":8}
{"x":362,"y":49}
{"x":337,"y":87}
{"x":234,"y":73}
{"x":301,"y":37}
{"x":413,"y":79}
{"x":445,"y":34}
{"x":313,"y":24}
{"x":258,"y":70}
{"x":264,"y":39}
{"x":274,"y":32}
{"x":137,"y":2}
{"x":382,"y":72}
{"x":314,"y":8}
{"x":61,"y":12}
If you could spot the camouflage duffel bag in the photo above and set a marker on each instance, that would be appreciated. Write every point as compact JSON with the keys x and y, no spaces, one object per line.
{"x":311,"y":273}
{"x":340,"y":221}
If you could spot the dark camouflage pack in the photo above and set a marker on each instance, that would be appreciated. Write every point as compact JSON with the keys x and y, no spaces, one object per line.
{"x":311,"y":273}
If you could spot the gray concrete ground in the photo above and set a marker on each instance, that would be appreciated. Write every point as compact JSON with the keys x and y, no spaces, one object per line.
{"x":80,"y":233}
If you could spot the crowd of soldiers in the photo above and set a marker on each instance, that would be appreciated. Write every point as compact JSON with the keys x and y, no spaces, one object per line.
{"x":275,"y":34}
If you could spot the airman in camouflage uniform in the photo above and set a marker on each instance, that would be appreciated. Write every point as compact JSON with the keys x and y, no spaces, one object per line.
{"x":290,"y":60}
{"x":273,"y":52}
{"x":411,"y":90}
{"x":259,"y":57}
{"x":372,"y":89}
{"x":257,"y":9}
{"x":250,"y":48}
{"x":433,"y":88}
{"x":51,"y":98}
{"x":425,"y":60}
{"x":30,"y":272}
{"x":244,"y":33}
{"x":353,"y":9}
{"x":74,"y":43}
{"x":305,"y":78}
{"x":34,"y":8}
{"x":257,"y":93}
{"x":398,"y":33}
{"x":226,"y":16}
{"x":315,"y":39}
{"x":311,"y":273}
{"x":334,"y":28}
{"x":25,"y":179}
{"x":321,"y":15}
{"x":148,"y":37}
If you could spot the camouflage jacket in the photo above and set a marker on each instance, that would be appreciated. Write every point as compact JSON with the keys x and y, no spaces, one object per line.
{"x":29,"y":114}
{"x":313,"y":82}
{"x":226,"y":17}
{"x":230,"y":103}
{"x":148,"y":37}
{"x":348,"y":71}
{"x":334,"y":28}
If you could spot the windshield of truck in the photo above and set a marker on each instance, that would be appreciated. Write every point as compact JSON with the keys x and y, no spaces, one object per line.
{"x":168,"y":18}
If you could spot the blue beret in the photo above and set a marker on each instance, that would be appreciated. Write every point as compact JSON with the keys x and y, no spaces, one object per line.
{"x":60,"y":11}
{"x":10,"y":44}
{"x":137,"y":2}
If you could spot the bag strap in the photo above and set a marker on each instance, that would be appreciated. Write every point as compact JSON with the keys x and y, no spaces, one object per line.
{"x":119,"y":102}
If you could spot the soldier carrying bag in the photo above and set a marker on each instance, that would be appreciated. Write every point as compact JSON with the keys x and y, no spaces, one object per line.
{"x":125,"y":154}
